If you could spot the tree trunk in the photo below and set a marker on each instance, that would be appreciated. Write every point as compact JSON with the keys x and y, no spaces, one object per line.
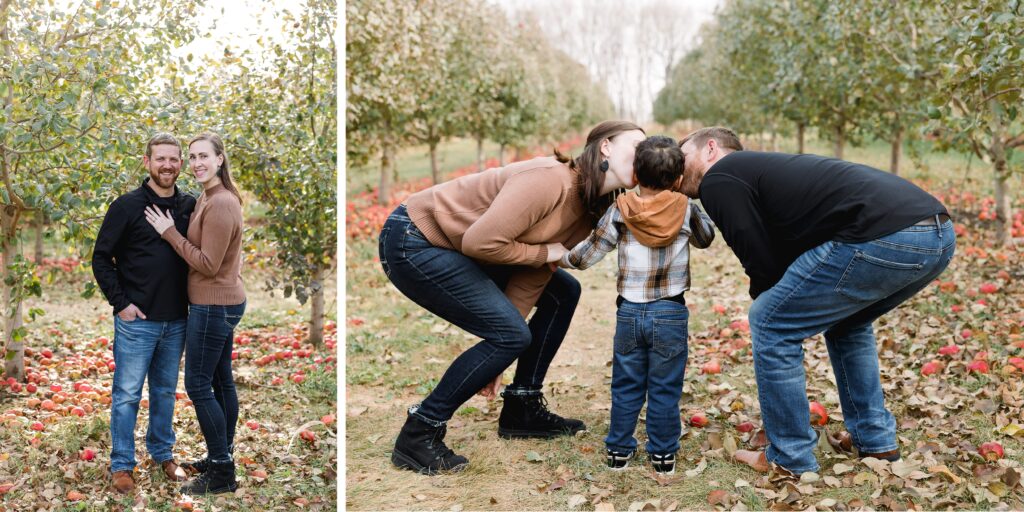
{"x":501,"y":155}
{"x":1001,"y":175}
{"x":839,"y":141}
{"x":800,"y":138}
{"x":316,"y":307}
{"x":387,"y":163}
{"x":40,"y":225}
{"x":480,"y":153}
{"x":14,"y":355}
{"x":517,"y":154}
{"x":434,"y":172}
{"x":775,"y":142}
{"x":897,"y":149}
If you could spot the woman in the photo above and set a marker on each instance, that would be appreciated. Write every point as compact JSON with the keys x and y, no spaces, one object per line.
{"x":475,"y":251}
{"x":212,"y":249}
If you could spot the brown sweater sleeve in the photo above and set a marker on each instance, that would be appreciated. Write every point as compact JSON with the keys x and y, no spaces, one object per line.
{"x":220,"y":219}
{"x":523,"y":201}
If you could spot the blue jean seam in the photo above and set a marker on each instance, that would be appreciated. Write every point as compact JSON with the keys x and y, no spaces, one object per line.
{"x":846,"y":383}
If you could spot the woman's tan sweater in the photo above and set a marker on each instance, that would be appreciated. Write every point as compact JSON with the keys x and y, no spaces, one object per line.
{"x":212,"y":248}
{"x":505,"y":216}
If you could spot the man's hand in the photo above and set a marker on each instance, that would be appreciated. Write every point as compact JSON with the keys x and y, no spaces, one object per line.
{"x":161,"y":221}
{"x":490,"y":391}
{"x":130,"y":313}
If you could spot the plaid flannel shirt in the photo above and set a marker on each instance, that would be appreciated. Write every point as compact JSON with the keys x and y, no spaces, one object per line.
{"x":645,"y":274}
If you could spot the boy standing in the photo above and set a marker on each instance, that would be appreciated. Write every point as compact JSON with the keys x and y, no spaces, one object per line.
{"x":652,"y":228}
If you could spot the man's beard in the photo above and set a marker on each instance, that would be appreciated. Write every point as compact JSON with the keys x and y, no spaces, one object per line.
{"x":162,"y":181}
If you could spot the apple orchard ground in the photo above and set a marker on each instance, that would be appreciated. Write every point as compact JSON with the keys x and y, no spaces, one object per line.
{"x":285,"y":442}
{"x":396,"y":351}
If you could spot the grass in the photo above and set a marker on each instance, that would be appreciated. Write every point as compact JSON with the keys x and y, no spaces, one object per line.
{"x":395,"y":351}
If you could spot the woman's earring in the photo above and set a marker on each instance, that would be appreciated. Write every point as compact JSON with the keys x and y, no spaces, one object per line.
{"x":603,"y":166}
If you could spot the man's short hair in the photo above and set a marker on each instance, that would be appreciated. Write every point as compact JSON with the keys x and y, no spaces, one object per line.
{"x":725,"y":138}
{"x":658,"y":162}
{"x":161,"y":138}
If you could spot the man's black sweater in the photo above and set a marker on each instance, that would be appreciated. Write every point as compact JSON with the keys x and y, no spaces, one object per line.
{"x":773,"y":207}
{"x":133,"y":265}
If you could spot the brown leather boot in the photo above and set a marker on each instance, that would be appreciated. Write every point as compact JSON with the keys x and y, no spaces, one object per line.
{"x":843,"y":442}
{"x":123,"y":482}
{"x":172,"y":471}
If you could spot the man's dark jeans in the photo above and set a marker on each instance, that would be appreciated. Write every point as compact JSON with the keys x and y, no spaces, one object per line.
{"x":471,"y":296}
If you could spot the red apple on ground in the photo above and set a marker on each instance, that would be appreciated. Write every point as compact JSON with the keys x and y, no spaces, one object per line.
{"x":819,"y":416}
{"x":699,"y":420}
{"x":992,"y":451}
{"x":949,"y":350}
{"x":745,"y":427}
{"x":711,"y":367}
{"x":37,"y":426}
{"x":87,"y":454}
{"x":978,"y":366}
{"x":307,"y":436}
{"x":988,"y":288}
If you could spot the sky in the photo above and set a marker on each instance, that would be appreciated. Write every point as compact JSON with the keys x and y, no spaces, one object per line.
{"x":635,"y":93}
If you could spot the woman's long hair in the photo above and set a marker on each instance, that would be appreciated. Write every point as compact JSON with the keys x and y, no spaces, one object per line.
{"x":224,"y":171}
{"x":588,"y":166}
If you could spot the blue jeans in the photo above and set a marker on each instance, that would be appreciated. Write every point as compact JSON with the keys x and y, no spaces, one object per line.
{"x":471,"y":296}
{"x":649,"y":362}
{"x":144,"y":348}
{"x":209,"y":340}
{"x":839,"y":289}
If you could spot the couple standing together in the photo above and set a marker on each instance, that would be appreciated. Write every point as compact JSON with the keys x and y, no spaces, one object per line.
{"x":170,"y":267}
{"x":829,"y":247}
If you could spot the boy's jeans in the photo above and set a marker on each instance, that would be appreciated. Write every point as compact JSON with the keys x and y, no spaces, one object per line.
{"x":649,"y":361}
{"x":144,"y":348}
{"x":839,"y":289}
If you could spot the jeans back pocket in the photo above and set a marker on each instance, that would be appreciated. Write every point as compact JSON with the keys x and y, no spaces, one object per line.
{"x":625,"y":333}
{"x":869,"y":279}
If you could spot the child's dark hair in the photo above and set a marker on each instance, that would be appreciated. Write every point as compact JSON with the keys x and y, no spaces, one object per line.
{"x":658,"y":162}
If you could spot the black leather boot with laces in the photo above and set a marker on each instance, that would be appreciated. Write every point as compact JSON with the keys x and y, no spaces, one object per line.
{"x":525,"y":414}
{"x":420,"y":447}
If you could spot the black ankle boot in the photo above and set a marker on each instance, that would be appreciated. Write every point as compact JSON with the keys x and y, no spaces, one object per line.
{"x":420,"y":447}
{"x":525,"y":414}
{"x":219,"y":477}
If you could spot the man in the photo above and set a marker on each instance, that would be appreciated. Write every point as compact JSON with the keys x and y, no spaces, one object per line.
{"x":829,"y":246}
{"x":145,"y":282}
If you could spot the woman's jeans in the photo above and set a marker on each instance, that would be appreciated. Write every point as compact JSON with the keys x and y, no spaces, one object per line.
{"x":209,"y":339}
{"x":839,"y":289}
{"x":471,"y":296}
{"x":648,"y":364}
{"x":144,"y":348}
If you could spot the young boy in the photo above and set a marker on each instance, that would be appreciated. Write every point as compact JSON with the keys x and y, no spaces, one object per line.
{"x":652,"y":228}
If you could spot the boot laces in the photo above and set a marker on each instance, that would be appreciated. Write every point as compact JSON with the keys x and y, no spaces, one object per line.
{"x":437,"y":444}
{"x":539,"y":406}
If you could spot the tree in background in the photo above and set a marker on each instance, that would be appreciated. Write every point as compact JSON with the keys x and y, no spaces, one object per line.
{"x":419,"y":73}
{"x":74,"y":92}
{"x":977,"y":104}
{"x":277,"y":110}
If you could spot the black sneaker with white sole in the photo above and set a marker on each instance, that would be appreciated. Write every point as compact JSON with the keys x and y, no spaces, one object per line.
{"x":618,"y":460}
{"x":664,"y":464}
